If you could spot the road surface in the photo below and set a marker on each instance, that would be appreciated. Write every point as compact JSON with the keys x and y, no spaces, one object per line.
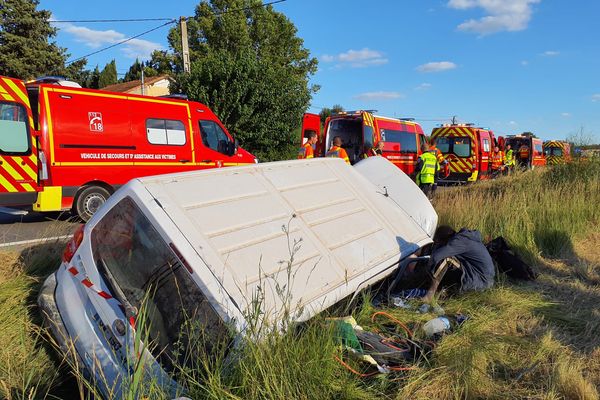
{"x":15,"y":229}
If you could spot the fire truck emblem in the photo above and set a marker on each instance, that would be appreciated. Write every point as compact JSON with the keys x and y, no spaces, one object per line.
{"x":96,"y":124}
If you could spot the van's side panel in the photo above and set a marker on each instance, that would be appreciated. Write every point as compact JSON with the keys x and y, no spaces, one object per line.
{"x":325,"y":216}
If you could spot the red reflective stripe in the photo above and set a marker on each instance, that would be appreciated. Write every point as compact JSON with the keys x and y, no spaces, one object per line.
{"x":104,"y":295}
{"x":73,"y":270}
{"x":87,"y":283}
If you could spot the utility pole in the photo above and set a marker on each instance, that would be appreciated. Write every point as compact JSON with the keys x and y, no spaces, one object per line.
{"x":143,"y":83}
{"x":185,"y":50}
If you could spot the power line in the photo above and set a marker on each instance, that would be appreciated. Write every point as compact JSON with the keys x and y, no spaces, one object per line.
{"x":122,"y":41}
{"x":108,"y":20}
{"x":170,"y":21}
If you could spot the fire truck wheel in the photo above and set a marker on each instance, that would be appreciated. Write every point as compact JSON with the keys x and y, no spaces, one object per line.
{"x":89,"y":201}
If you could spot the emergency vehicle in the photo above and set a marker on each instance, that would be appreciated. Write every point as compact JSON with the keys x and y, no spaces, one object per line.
{"x":468,"y":150}
{"x":360,"y":130}
{"x":63,"y":147}
{"x":534,"y":157}
{"x":557,"y":152}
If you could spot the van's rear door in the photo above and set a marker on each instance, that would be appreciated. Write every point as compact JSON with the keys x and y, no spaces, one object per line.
{"x":312,"y":123}
{"x":18,"y":147}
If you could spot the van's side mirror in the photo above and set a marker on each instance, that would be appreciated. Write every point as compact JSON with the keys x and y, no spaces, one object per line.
{"x":233,"y":147}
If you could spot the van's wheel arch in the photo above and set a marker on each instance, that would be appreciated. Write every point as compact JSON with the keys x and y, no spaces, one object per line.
{"x":89,"y":199}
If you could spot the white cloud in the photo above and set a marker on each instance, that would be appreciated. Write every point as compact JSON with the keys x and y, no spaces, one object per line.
{"x":357,"y":58}
{"x":565,"y":114}
{"x":551,"y":53}
{"x":501,"y":15}
{"x":423,"y":86}
{"x":374,"y":96}
{"x":135,"y":48}
{"x":437,"y":66}
{"x":524,"y":63}
{"x":512,"y":123}
{"x":596,"y":97}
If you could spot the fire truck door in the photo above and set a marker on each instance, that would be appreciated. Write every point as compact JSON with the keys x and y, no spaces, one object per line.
{"x":312,"y":123}
{"x":18,"y":145}
{"x":485,"y":149}
{"x":217,"y":148}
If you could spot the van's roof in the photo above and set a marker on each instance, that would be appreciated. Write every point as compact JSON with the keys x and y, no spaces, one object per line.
{"x":245,"y":223}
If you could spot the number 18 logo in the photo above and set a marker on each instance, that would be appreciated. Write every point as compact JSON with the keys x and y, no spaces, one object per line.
{"x":96,"y":124}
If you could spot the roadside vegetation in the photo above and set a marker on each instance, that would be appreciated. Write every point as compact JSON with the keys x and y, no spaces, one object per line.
{"x":535,"y":340}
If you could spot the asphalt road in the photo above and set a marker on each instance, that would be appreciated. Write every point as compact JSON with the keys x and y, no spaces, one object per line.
{"x":34,"y":226}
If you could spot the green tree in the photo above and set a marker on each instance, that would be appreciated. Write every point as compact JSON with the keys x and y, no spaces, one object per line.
{"x":108,"y":76}
{"x":93,"y":79}
{"x":135,"y":71}
{"x":327,"y":112}
{"x":25,"y":47}
{"x":162,"y":61}
{"x":76,"y":72}
{"x":251,"y":69}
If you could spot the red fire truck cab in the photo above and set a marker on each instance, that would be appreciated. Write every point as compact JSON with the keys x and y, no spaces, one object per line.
{"x":64,"y":147}
{"x":467,"y":149}
{"x":360,"y":130}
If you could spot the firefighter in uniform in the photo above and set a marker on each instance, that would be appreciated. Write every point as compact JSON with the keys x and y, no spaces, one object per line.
{"x":427,"y":167}
{"x":307,"y":151}
{"x":374,"y":151}
{"x":524,"y":155}
{"x":336,"y":150}
{"x":509,"y":159}
{"x":497,"y":162}
{"x":442,"y":162}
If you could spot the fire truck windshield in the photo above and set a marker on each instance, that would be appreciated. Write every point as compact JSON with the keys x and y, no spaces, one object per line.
{"x":406,"y":140}
{"x":13,"y":125}
{"x":460,"y":146}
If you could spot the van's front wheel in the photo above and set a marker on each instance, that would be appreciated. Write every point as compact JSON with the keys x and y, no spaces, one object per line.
{"x":90,"y":200}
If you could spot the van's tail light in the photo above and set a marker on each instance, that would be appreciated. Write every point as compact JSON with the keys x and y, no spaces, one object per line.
{"x":73,"y":244}
{"x":44,"y":166}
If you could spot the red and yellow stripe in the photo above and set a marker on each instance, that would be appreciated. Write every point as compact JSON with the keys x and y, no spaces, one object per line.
{"x":458,"y":164}
{"x":18,"y":173}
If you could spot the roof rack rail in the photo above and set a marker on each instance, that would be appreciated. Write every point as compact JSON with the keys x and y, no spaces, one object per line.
{"x":177,"y":96}
{"x":406,"y":119}
{"x":54,"y":80}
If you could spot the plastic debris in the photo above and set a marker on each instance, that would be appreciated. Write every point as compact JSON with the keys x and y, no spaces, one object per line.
{"x":436,"y":325}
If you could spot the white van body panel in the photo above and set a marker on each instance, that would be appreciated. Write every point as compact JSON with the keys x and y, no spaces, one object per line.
{"x":401,"y":189}
{"x":244,"y":223}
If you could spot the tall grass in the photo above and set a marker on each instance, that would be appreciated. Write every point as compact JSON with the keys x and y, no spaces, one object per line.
{"x":522,"y":340}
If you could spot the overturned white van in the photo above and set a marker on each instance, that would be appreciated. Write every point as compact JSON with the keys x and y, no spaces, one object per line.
{"x":206,"y":245}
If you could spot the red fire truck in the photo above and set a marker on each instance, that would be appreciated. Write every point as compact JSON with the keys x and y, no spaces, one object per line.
{"x":63,"y":147}
{"x":528,"y":150}
{"x":360,"y":130}
{"x":467,"y":149}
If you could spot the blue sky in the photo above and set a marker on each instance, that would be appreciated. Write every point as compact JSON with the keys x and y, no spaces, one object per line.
{"x":510,"y":65}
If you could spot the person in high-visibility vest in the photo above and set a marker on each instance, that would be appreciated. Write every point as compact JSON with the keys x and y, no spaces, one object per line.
{"x":337,"y":150}
{"x":307,"y":151}
{"x":497,"y":165}
{"x":509,"y":158}
{"x":442,"y":162}
{"x":427,"y":167}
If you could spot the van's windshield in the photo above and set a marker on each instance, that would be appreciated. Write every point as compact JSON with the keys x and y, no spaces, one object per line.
{"x":130,"y":253}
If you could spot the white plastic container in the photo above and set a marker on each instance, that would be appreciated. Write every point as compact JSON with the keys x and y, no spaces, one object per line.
{"x":436,"y":325}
